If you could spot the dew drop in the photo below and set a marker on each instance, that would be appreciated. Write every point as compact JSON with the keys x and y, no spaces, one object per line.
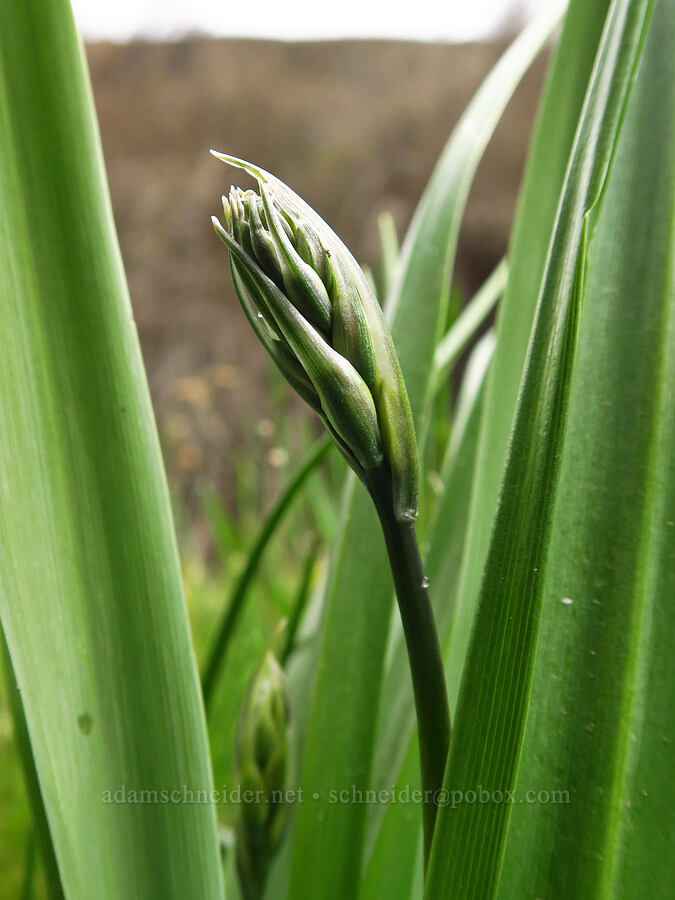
{"x":426,"y":582}
{"x":567,"y":601}
{"x":260,"y":315}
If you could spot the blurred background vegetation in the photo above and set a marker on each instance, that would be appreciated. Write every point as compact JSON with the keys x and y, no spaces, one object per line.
{"x":354,"y":127}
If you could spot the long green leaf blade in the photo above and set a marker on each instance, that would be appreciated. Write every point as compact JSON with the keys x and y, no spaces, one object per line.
{"x":428,"y":252}
{"x":495,"y":687}
{"x":602,"y":692}
{"x":549,"y":154}
{"x":90,"y":590}
{"x":467,"y":324}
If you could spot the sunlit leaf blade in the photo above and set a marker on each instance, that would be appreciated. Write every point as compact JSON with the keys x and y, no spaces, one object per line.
{"x":338,"y":753}
{"x":389,"y":250}
{"x":602,"y":697}
{"x":489,"y":724}
{"x":428,"y":251}
{"x":466,"y":325}
{"x":549,"y":154}
{"x":90,"y":591}
{"x":395,"y":868}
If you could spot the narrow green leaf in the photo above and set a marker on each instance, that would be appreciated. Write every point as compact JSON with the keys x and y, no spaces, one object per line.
{"x":338,"y":752}
{"x":493,"y":700}
{"x":236,"y":601}
{"x":300,"y":602}
{"x":464,"y":329}
{"x":395,"y":867}
{"x":389,"y":251}
{"x":549,"y":154}
{"x":28,"y":886}
{"x":40,"y":836}
{"x":90,"y":591}
{"x":602,"y":695}
{"x":428,"y":252}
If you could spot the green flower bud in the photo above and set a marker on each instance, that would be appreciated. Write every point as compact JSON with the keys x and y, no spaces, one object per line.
{"x":262,"y":242}
{"x":321,"y":308}
{"x":310,"y":250}
{"x":286,"y":361}
{"x":262,"y":755}
{"x":303,"y":286}
{"x":346,"y":401}
{"x":351,"y":335}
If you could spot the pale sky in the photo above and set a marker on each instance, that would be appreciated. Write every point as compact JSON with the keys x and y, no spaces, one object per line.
{"x":443,"y":20}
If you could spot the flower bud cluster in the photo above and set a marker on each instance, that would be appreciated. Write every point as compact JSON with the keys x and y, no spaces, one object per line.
{"x":316,"y":315}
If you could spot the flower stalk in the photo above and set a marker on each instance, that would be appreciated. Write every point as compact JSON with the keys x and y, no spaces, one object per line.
{"x":424,"y":651}
{"x":315,"y":313}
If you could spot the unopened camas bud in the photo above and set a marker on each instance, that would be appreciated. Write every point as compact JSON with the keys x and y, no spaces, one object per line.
{"x":262,"y":754}
{"x":315,"y":313}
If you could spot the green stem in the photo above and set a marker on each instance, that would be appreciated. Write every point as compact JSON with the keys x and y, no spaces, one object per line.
{"x":424,"y":651}
{"x":221,"y":642}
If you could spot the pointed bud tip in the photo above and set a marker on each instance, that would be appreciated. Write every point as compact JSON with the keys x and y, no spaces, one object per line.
{"x":217,"y":227}
{"x":238,"y":163}
{"x":227,"y":211}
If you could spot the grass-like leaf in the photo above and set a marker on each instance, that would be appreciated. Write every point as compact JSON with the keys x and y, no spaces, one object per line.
{"x":300,"y":602}
{"x":90,"y":590}
{"x":601,"y":702}
{"x":40,"y":836}
{"x":557,"y":122}
{"x":389,"y":251}
{"x":466,"y":325}
{"x":469,"y":839}
{"x":235,"y":603}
